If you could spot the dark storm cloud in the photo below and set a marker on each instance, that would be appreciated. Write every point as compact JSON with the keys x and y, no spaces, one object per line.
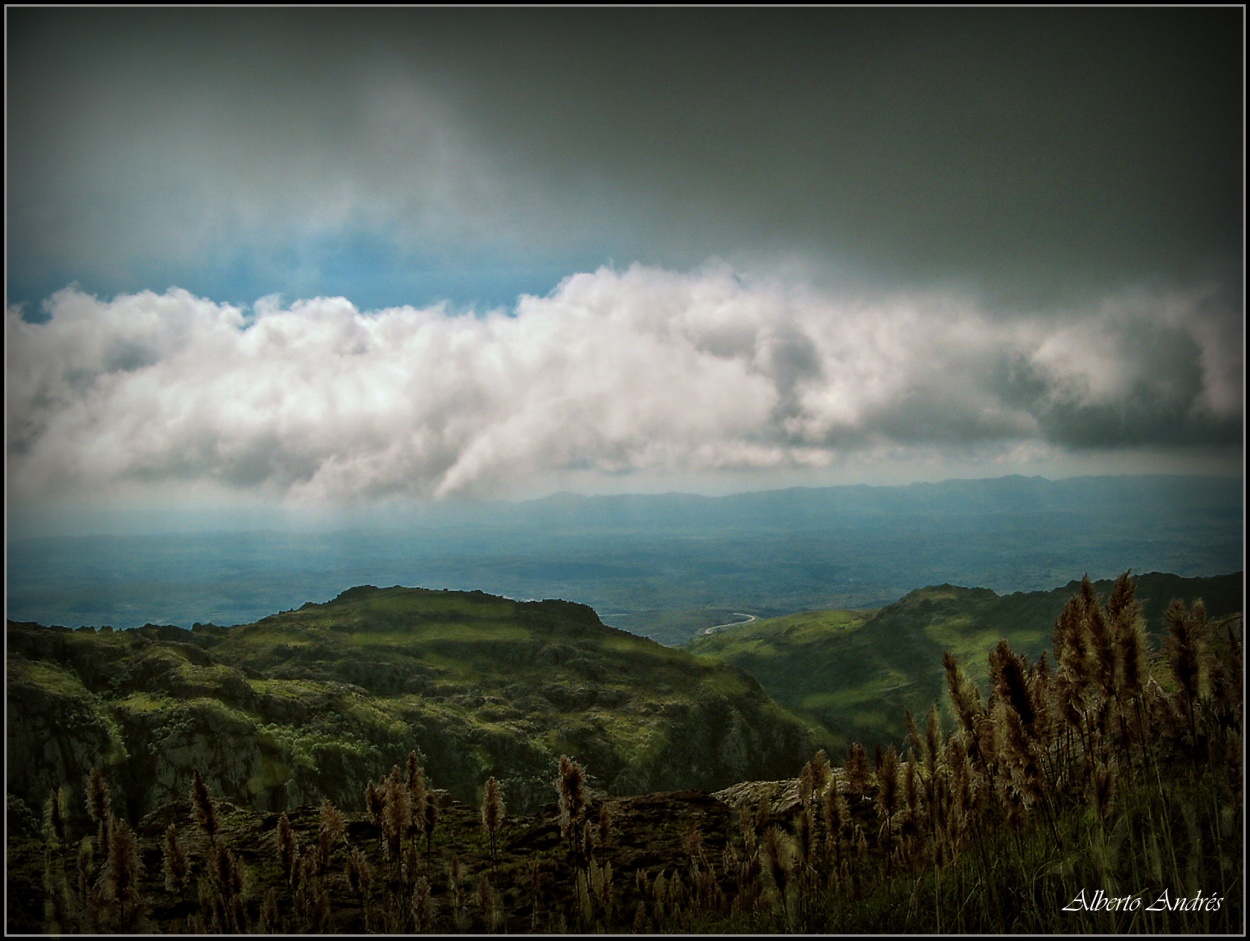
{"x":1037,"y":155}
{"x":1156,"y":405}
{"x":1040,"y":148}
{"x":953,"y":235}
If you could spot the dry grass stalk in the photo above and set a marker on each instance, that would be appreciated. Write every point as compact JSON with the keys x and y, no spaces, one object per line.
{"x":932,"y":741}
{"x":85,"y":868}
{"x":1009,"y":675}
{"x":915,"y":744}
{"x":360,"y":880}
{"x":837,"y":812}
{"x":1041,"y":682}
{"x":1225,"y":679}
{"x":605,"y":824}
{"x":746,"y":827}
{"x":1104,"y":781}
{"x":374,"y":802}
{"x":417,"y":788}
{"x":423,"y":907}
{"x":887,"y":794}
{"x":964,"y":695}
{"x":270,"y":914}
{"x":99,"y":806}
{"x":431,"y":819}
{"x":1099,"y":640}
{"x":857,"y":776}
{"x":777,"y":857}
{"x":174,"y":862}
{"x":911,"y":789}
{"x":763,"y":813}
{"x":397,"y":815}
{"x":805,"y":833}
{"x":119,"y":880}
{"x":205,"y":807}
{"x":288,"y":849}
{"x":492,"y":812}
{"x":571,"y":786}
{"x":1124,"y":610}
{"x":587,"y":843}
{"x":54,"y":816}
{"x":1068,"y":642}
{"x":1183,"y":653}
{"x":332,"y":829}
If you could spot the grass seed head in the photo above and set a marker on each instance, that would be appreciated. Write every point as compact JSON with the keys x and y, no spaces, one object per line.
{"x":205,"y":807}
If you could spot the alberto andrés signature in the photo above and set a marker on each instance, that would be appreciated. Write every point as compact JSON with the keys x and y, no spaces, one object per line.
{"x":1101,"y":902}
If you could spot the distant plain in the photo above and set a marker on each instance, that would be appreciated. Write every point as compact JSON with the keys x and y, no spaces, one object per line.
{"x":664,"y":566}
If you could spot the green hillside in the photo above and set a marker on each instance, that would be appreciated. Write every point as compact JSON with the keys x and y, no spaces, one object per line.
{"x":316,"y":702}
{"x":1077,"y":774}
{"x":856,"y":671}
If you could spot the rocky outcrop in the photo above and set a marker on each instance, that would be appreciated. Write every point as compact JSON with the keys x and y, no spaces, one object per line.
{"x":55,"y":734}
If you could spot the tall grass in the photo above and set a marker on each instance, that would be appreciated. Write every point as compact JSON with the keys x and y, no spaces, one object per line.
{"x":1098,"y":789}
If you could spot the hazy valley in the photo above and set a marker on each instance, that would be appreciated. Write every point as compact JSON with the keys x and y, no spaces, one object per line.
{"x":661,"y":566}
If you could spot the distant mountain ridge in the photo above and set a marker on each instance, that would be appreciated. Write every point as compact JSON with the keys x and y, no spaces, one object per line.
{"x":811,"y":506}
{"x":666,"y":565}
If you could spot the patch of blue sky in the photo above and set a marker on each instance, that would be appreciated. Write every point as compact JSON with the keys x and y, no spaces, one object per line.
{"x":28,"y":283}
{"x":372,"y":270}
{"x":376,"y":270}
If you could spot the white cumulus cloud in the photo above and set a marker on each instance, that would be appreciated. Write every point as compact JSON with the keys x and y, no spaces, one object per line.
{"x":615,"y":372}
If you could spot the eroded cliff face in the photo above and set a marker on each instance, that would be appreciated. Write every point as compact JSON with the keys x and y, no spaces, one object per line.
{"x":280,"y":715}
{"x":55,"y":730}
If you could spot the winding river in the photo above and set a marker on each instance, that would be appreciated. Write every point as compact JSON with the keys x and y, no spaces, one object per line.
{"x":747,"y":619}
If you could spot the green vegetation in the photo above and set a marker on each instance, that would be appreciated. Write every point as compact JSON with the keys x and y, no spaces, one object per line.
{"x":313,"y":703}
{"x":856,"y":672}
{"x":1109,"y":768}
{"x":48,"y":676}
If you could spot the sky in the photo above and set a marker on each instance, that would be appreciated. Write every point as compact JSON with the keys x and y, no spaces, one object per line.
{"x":317,"y":261}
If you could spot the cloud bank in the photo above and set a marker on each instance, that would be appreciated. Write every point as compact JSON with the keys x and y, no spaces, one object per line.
{"x":616,"y":372}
